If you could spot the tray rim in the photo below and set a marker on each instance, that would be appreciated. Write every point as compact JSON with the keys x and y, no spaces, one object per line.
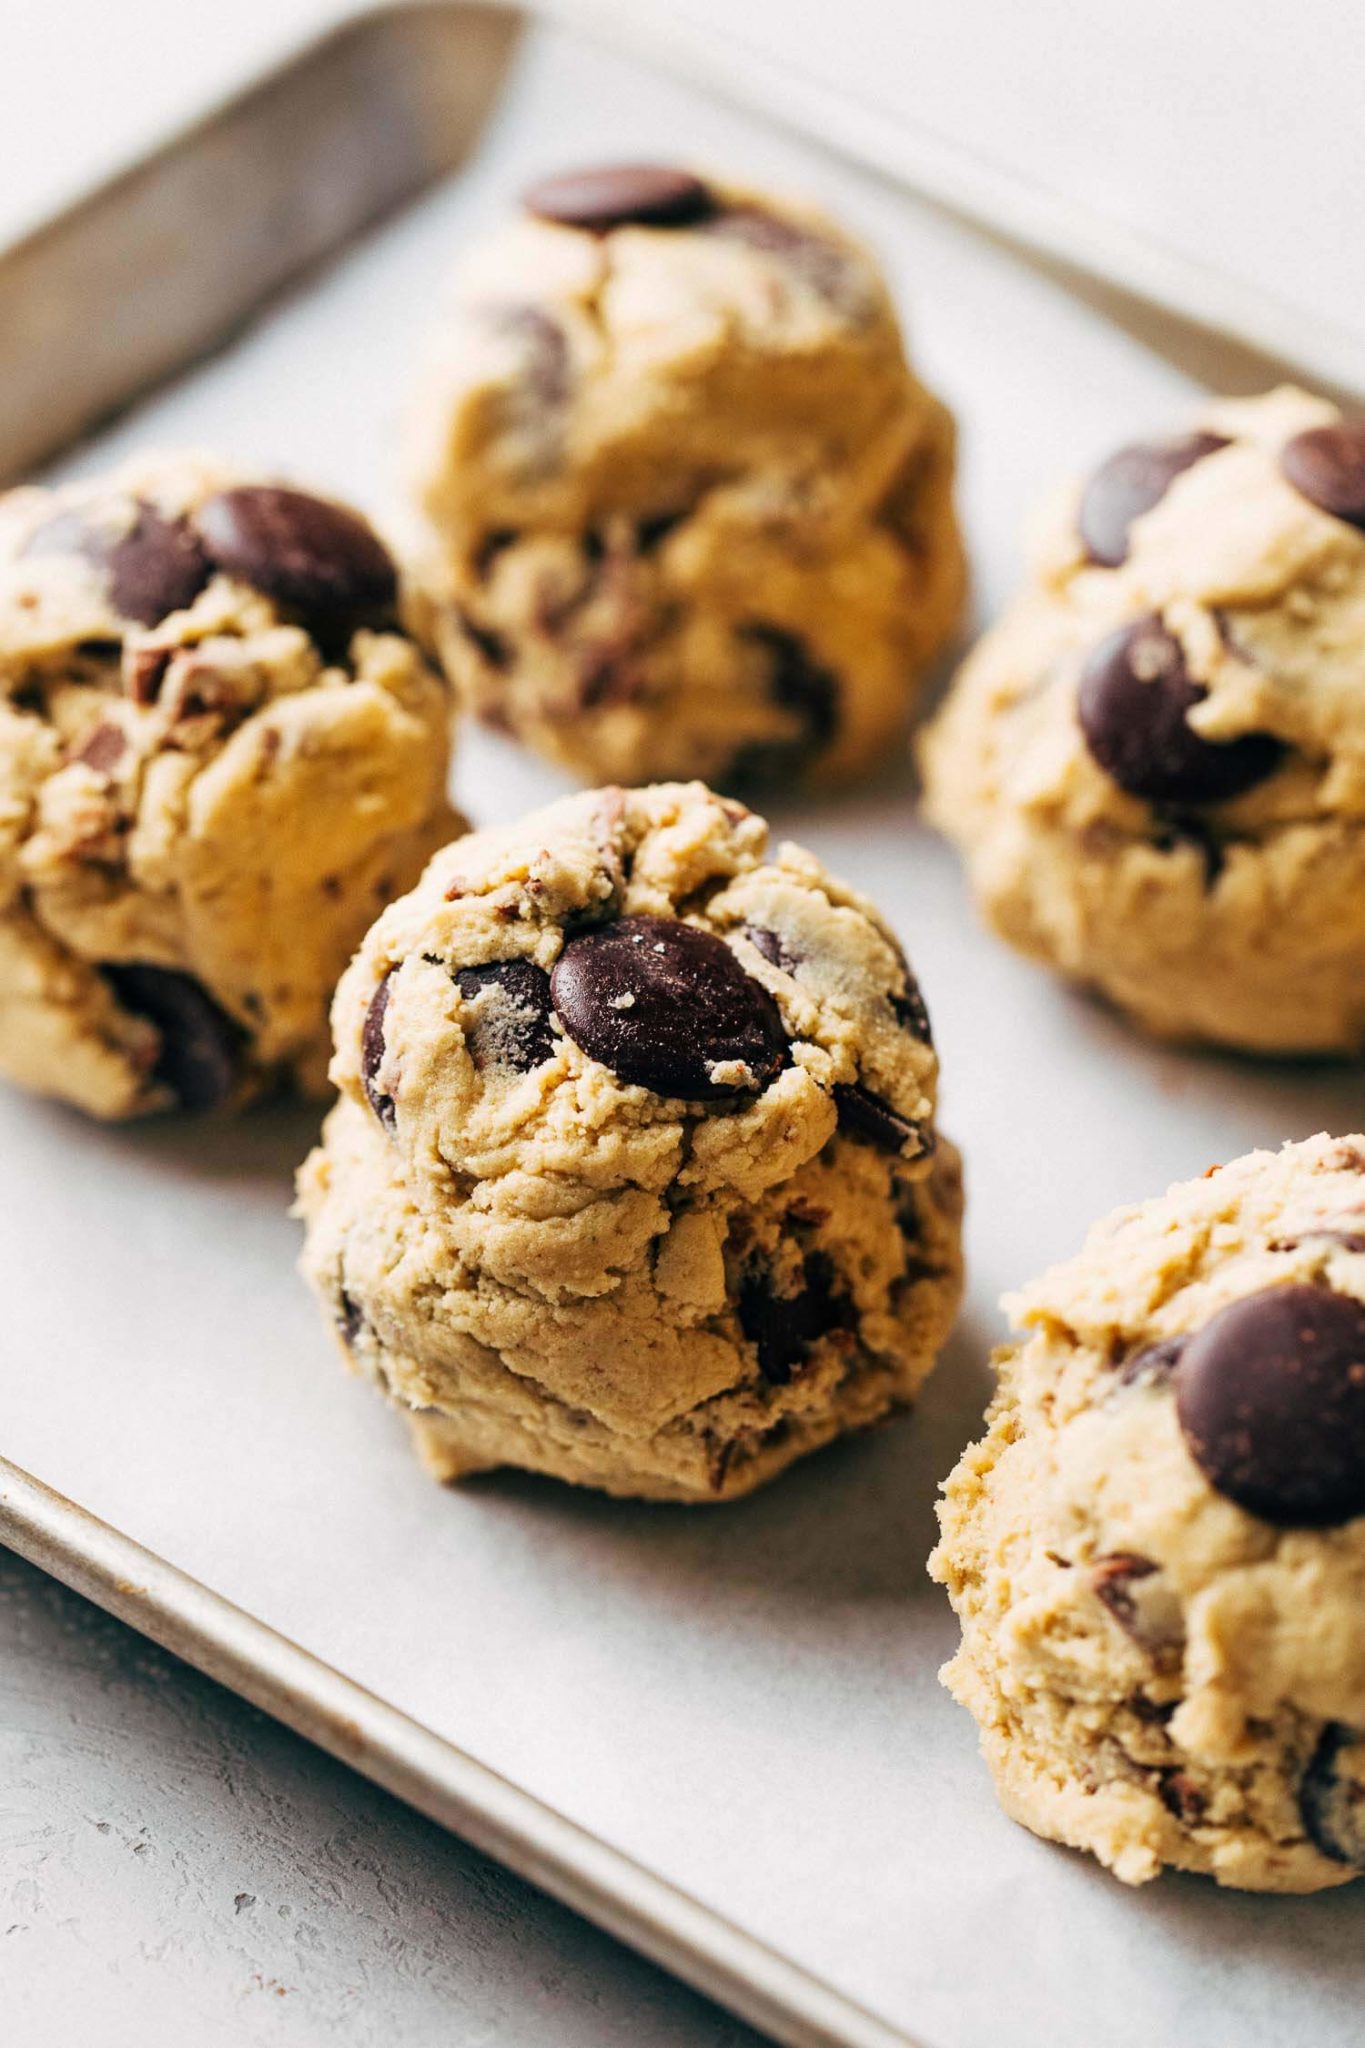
{"x":604,"y":1884}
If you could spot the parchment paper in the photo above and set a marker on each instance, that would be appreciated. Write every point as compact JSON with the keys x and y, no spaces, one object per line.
{"x":745,"y":1698}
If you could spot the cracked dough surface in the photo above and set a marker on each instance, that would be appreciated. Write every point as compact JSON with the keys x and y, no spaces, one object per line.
{"x":1240,"y":921}
{"x":683,"y":508}
{"x":553,"y":1267}
{"x":201,"y":808}
{"x":1158,"y":1675}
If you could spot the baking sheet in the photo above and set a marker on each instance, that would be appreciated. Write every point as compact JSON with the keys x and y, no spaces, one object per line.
{"x":744,"y":1700}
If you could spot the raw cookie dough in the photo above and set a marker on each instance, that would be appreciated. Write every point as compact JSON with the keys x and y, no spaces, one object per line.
{"x":1158,"y":1550}
{"x":634,"y":1177}
{"x":684,"y":509}
{"x":219,"y":756}
{"x":1155,"y":763}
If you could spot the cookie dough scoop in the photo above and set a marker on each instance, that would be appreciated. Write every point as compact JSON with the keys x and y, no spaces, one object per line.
{"x":1155,"y":763}
{"x":219,"y":756}
{"x":634,"y":1178}
{"x":1157,"y":1552}
{"x":682,"y":507}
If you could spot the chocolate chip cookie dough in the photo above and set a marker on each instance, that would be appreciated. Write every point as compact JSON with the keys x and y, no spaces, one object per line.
{"x":1158,"y":1550}
{"x":1155,"y":764}
{"x":634,"y":1178}
{"x":684,"y":508}
{"x":219,"y":756}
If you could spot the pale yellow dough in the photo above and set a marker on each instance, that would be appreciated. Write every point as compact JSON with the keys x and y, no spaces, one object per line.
{"x":1183,"y":1737}
{"x":682,"y":506}
{"x":1241,"y":922}
{"x":547,"y":1266}
{"x":213,"y":795}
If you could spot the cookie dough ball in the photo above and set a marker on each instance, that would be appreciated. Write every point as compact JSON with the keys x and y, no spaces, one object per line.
{"x":684,"y":508}
{"x":1155,"y":764}
{"x":634,"y":1177}
{"x":219,"y":756}
{"x":1158,"y":1550}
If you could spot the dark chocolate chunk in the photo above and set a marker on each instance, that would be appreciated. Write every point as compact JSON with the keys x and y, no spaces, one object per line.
{"x":865,"y":1115}
{"x":770,"y":946}
{"x":1131,"y":482}
{"x":1134,"y":693}
{"x":1344,"y":1238}
{"x":832,"y":272}
{"x":910,"y":1011}
{"x":494,"y":543}
{"x":312,"y":557}
{"x":1332,"y":1795}
{"x":1140,"y":1600}
{"x":1155,"y":1362}
{"x":663,"y":1004}
{"x":144,"y":671}
{"x":490,"y":643}
{"x":199,"y":1059}
{"x":152,"y":566}
{"x":1182,"y":1797}
{"x":1326,"y":465}
{"x":544,"y":345}
{"x":1176,"y":829}
{"x":653,"y":530}
{"x":620,"y":195}
{"x":350,"y":1318}
{"x":799,"y":684}
{"x":372,"y":1050}
{"x":104,"y":748}
{"x":1271,"y":1398}
{"x":513,"y":1029}
{"x":782,"y":1327}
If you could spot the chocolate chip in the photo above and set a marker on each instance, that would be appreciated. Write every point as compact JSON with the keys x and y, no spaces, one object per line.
{"x":490,"y":644}
{"x":663,"y":1004}
{"x":545,"y":348}
{"x":1345,"y":1240}
{"x":512,"y":1028}
{"x":104,"y":749}
{"x":490,"y":547}
{"x":909,"y":1010}
{"x":1155,"y":1362}
{"x":144,"y":671}
{"x":350,"y":1318}
{"x":199,"y":1058}
{"x":651,"y":532}
{"x":832,"y":271}
{"x":372,"y":1051}
{"x":1326,"y":465}
{"x":798,"y":684}
{"x":1140,"y":1600}
{"x":865,"y":1115}
{"x":1332,"y":1795}
{"x":608,"y":673}
{"x":1271,"y":1398}
{"x":152,"y":566}
{"x":1182,"y":1797}
{"x":1131,"y":482}
{"x":1134,"y":693}
{"x":783,"y":1327}
{"x":1180,"y":829}
{"x":312,"y":557}
{"x":619,"y":195}
{"x":770,"y":946}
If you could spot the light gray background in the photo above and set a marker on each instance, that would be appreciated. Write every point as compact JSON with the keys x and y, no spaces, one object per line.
{"x":748,"y":1702}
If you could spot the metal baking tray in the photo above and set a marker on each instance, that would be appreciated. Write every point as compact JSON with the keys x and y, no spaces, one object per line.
{"x":720,"y":1736}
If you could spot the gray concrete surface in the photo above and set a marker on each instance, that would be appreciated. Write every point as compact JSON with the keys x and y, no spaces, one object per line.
{"x":177,"y":1869}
